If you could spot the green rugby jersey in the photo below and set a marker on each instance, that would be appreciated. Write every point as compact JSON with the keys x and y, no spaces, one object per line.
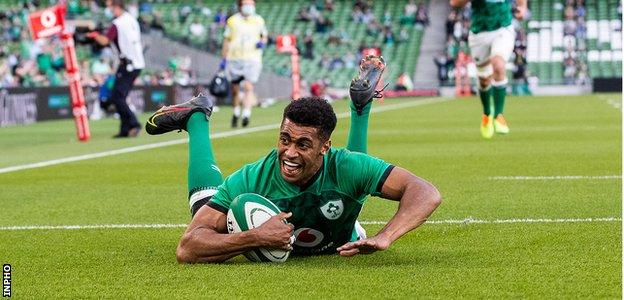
{"x":489,"y":15}
{"x":324,"y":211}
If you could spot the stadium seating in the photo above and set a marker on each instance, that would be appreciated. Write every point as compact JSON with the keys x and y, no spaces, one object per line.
{"x":600,"y":49}
{"x":281,"y":17}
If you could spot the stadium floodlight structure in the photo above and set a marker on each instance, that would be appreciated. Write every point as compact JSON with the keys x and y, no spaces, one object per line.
{"x":47,"y":23}
{"x":286,"y":44}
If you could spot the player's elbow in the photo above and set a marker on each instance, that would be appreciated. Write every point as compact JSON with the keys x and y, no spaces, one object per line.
{"x":430,"y":194}
{"x":187,"y":252}
{"x":435,"y":198}
{"x":184,"y":255}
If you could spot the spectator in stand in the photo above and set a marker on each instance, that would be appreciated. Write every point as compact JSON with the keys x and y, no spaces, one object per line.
{"x":582,"y":76}
{"x":388,"y":36}
{"x":357,"y":14}
{"x":569,"y":71}
{"x":324,"y":62}
{"x":422,"y":16}
{"x":336,"y":63}
{"x":368,"y":16}
{"x":322,"y":24}
{"x":444,"y":62}
{"x":410,"y":9}
{"x":334,"y":38}
{"x":404,"y":83}
{"x":197,"y":29}
{"x":520,"y":85}
{"x":450,"y":23}
{"x":100,"y":70}
{"x":319,"y":89}
{"x":350,"y":60}
{"x":220,"y":17}
{"x":308,"y":46}
{"x":387,"y":18}
{"x":303,"y":15}
{"x":329,"y":5}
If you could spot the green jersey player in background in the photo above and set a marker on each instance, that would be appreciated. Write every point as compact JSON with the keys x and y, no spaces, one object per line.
{"x":319,"y":189}
{"x":491,"y":40}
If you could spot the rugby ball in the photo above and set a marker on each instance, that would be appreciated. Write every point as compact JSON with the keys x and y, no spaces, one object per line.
{"x":248,"y":211}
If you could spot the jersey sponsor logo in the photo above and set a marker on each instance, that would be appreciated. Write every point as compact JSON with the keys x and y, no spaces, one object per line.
{"x":333,"y":209}
{"x":308,"y":237}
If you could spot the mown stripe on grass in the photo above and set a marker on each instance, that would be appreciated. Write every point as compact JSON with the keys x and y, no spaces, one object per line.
{"x":571,"y":177}
{"x":212,"y":136}
{"x":432,"y":222}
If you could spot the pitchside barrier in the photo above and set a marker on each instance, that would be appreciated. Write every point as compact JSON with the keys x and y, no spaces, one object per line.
{"x":30,"y":105}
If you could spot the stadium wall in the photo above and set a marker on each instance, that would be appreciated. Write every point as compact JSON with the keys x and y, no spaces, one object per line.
{"x":30,"y":105}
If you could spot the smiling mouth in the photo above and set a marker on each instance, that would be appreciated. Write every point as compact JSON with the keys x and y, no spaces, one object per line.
{"x":290,"y":168}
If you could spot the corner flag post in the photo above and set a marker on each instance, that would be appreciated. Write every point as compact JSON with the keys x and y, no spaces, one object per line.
{"x":49,"y":22}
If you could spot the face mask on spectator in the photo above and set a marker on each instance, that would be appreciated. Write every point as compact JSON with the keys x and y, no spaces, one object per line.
{"x":248,"y":9}
{"x":108,"y":13}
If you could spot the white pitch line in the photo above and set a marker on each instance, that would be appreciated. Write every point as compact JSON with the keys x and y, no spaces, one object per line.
{"x":466,"y":221}
{"x":579,"y":177}
{"x":615,"y":103}
{"x":212,"y":136}
{"x":507,"y":221}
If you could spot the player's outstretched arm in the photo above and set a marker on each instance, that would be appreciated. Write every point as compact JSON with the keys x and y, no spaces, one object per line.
{"x":459,"y":3}
{"x":206,"y":239}
{"x":418,"y":199}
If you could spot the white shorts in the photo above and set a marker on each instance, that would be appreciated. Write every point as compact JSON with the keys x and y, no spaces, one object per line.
{"x":239,"y":70}
{"x":484,"y":45}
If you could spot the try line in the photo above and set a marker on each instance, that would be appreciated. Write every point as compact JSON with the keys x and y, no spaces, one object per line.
{"x":217,"y":135}
{"x":466,"y":221}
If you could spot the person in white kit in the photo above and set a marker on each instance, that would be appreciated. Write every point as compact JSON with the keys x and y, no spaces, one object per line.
{"x":125,"y":34}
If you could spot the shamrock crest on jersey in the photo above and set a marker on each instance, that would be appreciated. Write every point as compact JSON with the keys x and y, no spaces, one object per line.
{"x":333,"y":209}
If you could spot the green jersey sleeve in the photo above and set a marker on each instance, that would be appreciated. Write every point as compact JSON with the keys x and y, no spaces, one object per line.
{"x":231,"y":187}
{"x":251,"y":178}
{"x":360,"y":174}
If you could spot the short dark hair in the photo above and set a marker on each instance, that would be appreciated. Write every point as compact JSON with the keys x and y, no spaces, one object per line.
{"x":119,"y":3}
{"x":314,"y":112}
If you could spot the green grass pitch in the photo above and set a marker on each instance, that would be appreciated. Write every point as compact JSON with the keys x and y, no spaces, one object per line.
{"x":438,"y":140}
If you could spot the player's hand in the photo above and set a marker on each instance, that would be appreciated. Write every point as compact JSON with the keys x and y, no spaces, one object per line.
{"x":365,"y":246}
{"x":276,"y":232}
{"x":519,"y":12}
{"x":260,"y":45}
{"x":222,"y":64}
{"x":92,"y":34}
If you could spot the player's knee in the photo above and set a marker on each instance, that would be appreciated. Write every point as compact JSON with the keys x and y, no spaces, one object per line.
{"x":484,"y":72}
{"x":484,"y":82}
{"x":249,"y":86}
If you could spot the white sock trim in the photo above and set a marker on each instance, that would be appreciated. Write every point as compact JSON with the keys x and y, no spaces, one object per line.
{"x":500,"y":83}
{"x":237,"y":111}
{"x":200,"y":195}
{"x":246,"y":112}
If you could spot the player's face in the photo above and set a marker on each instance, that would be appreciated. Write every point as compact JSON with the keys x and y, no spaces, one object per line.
{"x":300,"y":152}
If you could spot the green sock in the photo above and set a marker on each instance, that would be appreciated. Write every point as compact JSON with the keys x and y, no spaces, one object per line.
{"x":358,"y":132}
{"x":203,"y":173}
{"x":485,"y":100}
{"x":498,"y":93}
